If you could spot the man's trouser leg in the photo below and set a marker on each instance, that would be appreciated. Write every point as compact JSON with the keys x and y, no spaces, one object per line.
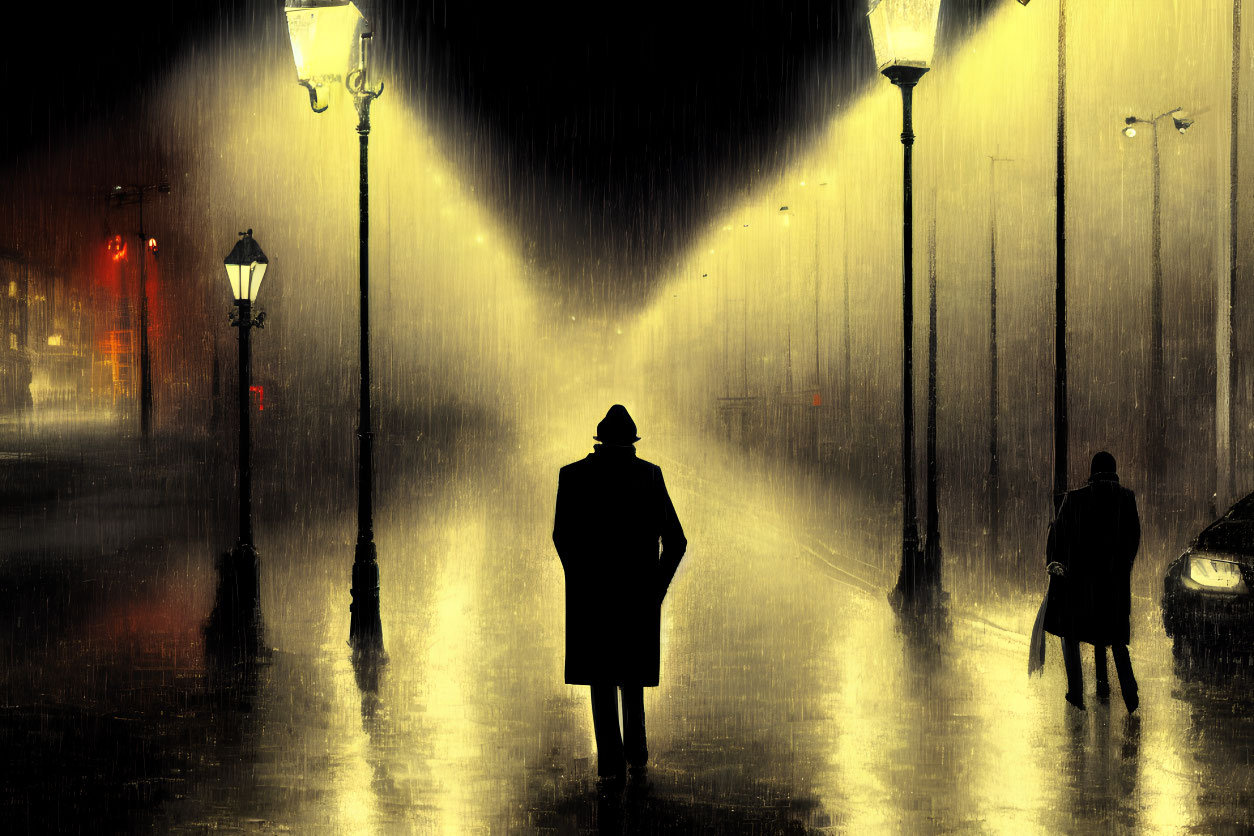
{"x":1127,"y":682}
{"x":1099,"y":670}
{"x":1075,"y":676}
{"x":605,"y":724}
{"x":636,"y":747}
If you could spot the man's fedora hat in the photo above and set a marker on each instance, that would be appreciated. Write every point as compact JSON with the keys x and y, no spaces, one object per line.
{"x":617,"y":427}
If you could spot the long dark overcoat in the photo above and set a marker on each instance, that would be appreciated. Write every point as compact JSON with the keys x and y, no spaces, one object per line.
{"x":612,"y":510}
{"x":1095,"y":535}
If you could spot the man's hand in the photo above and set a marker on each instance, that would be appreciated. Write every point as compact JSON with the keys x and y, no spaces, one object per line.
{"x":1057,"y":568}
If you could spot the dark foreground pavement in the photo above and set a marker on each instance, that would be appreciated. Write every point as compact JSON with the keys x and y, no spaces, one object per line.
{"x":791,"y":702}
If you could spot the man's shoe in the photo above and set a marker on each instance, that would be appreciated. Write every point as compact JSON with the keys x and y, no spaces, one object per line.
{"x":1076,"y":701}
{"x":1132,"y":701}
{"x":1103,"y":694}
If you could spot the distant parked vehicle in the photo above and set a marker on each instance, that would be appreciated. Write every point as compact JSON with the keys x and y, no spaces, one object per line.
{"x":1208,"y":605}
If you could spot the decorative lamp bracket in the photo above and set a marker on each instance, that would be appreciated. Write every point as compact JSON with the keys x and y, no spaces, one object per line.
{"x":313,"y":95}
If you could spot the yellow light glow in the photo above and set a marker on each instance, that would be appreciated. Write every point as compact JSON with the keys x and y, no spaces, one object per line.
{"x":324,"y":40}
{"x":54,"y":339}
{"x":903,"y":32}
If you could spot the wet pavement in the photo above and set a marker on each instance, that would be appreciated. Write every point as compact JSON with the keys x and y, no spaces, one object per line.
{"x":791,"y":699}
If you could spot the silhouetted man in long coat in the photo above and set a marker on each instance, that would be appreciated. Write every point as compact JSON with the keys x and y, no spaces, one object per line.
{"x":1092,"y":544}
{"x":612,"y":510}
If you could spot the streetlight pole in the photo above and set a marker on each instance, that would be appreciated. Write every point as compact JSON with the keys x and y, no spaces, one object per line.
{"x":903,"y":35}
{"x":1156,"y":440}
{"x":905,"y":78}
{"x":365,"y":629}
{"x":932,"y":543}
{"x":1225,"y":487}
{"x":1061,"y":439}
{"x":994,"y":459}
{"x":235,"y":622}
{"x":324,"y":34}
{"x":1061,"y":442}
{"x":123,"y":196}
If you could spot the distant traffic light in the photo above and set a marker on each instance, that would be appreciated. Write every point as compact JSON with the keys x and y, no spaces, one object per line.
{"x":152,"y":245}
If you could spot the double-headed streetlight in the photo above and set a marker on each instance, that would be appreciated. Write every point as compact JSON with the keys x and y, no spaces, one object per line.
{"x":331,"y":46}
{"x":903,"y":33}
{"x":1157,"y":429}
{"x":236,"y":617}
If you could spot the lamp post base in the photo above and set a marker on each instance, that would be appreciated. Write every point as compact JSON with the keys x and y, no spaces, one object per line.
{"x":910,"y":575}
{"x":918,"y":582}
{"x":365,"y":630}
{"x":234,"y":633}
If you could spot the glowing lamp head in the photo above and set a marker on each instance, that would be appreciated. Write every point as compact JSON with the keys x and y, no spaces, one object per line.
{"x":903,"y":32}
{"x":326,"y":38}
{"x":152,"y":245}
{"x":1183,"y":123}
{"x":1129,"y":130}
{"x":245,"y":266}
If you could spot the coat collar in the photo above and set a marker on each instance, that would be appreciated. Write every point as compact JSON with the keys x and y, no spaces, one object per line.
{"x":613,"y":450}
{"x":1104,"y":477}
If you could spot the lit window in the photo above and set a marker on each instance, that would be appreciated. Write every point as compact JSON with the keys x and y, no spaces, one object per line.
{"x":12,"y":289}
{"x":55,"y":339}
{"x":12,"y":341}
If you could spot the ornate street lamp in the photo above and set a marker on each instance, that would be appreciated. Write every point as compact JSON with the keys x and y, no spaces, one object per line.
{"x":331,"y":46}
{"x":903,"y":33}
{"x":236,"y":619}
{"x":1156,"y":439}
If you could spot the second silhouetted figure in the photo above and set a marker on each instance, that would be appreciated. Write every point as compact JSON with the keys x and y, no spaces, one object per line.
{"x":612,"y":510}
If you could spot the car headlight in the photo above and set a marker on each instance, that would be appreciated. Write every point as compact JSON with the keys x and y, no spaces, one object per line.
{"x":1218,"y":575}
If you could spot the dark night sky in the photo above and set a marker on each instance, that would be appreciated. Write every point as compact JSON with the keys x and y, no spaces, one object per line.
{"x":605,"y":135}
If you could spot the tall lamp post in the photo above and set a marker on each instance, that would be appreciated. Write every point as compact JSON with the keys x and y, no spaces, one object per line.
{"x":331,"y":46}
{"x":994,"y":405}
{"x":903,"y":33}
{"x":1157,"y":428}
{"x":124,"y":196}
{"x":237,"y":612}
{"x":932,"y":541}
{"x":1061,"y":442}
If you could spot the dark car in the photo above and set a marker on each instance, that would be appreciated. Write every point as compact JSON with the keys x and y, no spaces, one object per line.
{"x":1207,"y":600}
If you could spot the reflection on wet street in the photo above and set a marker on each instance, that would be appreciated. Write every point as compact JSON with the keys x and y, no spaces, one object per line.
{"x":791,"y":700}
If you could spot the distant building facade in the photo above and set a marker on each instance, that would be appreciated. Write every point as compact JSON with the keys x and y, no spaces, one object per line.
{"x":15,"y":365}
